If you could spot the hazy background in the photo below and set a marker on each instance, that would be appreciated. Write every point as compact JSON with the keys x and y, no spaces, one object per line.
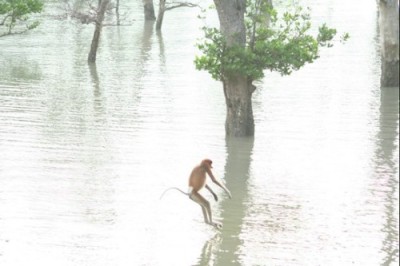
{"x":85,"y":152}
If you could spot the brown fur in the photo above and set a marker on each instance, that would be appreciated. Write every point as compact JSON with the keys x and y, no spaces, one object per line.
{"x":197,"y":180}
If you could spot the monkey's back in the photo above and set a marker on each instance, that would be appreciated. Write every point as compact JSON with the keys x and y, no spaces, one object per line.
{"x":197,"y":178}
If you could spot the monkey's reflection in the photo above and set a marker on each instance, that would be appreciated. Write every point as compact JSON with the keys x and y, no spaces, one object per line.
{"x":209,"y":250}
{"x":223,"y":248}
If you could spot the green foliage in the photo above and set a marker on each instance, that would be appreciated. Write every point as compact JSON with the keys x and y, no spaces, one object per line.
{"x":16,"y":12}
{"x":326,"y":35}
{"x":277,"y":43}
{"x":214,"y":46}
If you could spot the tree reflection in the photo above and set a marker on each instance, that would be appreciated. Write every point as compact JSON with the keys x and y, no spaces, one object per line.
{"x":237,"y":170}
{"x":209,"y":249}
{"x":386,"y":169}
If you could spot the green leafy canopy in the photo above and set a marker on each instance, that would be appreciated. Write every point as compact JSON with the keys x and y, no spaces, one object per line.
{"x":277,"y":43}
{"x":12,"y":11}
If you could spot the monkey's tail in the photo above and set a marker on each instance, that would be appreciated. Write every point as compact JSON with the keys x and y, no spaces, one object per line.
{"x":187,"y":194}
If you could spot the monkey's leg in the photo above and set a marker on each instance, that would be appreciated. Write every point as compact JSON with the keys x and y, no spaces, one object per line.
{"x":206,"y":208}
{"x":195,"y":198}
{"x":204,"y":204}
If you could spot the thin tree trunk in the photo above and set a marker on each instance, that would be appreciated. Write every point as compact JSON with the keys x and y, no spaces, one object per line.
{"x":117,"y":13}
{"x":389,"y":31}
{"x":238,"y":89}
{"x":96,"y":36}
{"x":160,"y":17}
{"x":149,"y":10}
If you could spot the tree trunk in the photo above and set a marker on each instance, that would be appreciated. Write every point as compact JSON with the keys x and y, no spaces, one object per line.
{"x":117,"y":12}
{"x":239,"y":111}
{"x":389,"y":31}
{"x":96,"y":36}
{"x":149,"y":10}
{"x":160,"y":17}
{"x":231,"y":19}
{"x":238,"y":89}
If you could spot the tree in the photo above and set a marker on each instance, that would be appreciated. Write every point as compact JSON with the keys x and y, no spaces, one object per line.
{"x":15,"y":13}
{"x":149,"y":10}
{"x":389,"y":35}
{"x":117,"y":13}
{"x":87,"y":13}
{"x":164,"y":6}
{"x":253,"y":38}
{"x":99,"y":24}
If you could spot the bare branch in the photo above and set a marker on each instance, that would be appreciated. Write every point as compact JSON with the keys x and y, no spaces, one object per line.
{"x":174,"y":5}
{"x":86,"y":13}
{"x":4,"y":20}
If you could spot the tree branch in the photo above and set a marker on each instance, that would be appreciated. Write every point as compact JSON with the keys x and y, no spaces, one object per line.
{"x":4,"y":20}
{"x":174,"y":5}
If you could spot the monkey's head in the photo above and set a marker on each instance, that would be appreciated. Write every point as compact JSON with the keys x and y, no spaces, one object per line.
{"x":206,"y":163}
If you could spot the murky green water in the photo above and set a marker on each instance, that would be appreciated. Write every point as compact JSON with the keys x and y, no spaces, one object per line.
{"x":86,"y":151}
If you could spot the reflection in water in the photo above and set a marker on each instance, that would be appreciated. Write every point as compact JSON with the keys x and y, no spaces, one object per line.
{"x":386,"y":171}
{"x":237,"y":172}
{"x":14,"y":69}
{"x":98,"y":95}
{"x":162,"y":51}
{"x":223,"y":248}
{"x":86,"y":150}
{"x":210,"y":248}
{"x":146,"y":41}
{"x":95,"y":79}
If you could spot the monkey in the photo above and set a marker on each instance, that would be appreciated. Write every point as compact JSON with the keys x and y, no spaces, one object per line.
{"x":197,"y":180}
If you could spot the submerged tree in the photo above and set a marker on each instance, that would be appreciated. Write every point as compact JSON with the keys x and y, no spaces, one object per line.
{"x":15,"y":13}
{"x":165,"y":6}
{"x":87,"y":13}
{"x":148,"y":7}
{"x":389,"y":31}
{"x":99,"y":24}
{"x":253,"y":38}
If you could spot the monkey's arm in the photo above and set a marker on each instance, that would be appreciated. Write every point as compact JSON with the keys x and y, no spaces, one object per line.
{"x":212,"y":192}
{"x":221,"y":185}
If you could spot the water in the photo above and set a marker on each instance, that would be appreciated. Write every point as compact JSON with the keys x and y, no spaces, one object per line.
{"x":86,"y":151}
